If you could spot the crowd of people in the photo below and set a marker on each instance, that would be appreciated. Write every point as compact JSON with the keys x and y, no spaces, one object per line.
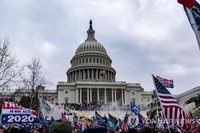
{"x":63,"y":126}
{"x":96,"y":105}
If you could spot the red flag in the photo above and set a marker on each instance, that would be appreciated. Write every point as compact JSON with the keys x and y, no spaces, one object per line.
{"x":188,"y":3}
{"x":63,"y":117}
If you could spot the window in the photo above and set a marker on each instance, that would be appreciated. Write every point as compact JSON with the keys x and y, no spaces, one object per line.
{"x":141,"y":99}
{"x":133,"y":93}
{"x":66,"y":92}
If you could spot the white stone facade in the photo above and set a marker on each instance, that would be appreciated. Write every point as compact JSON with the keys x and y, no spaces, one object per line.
{"x":183,"y":97}
{"x":111,"y":93}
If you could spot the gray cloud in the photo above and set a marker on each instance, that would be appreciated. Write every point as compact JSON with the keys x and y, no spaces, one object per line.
{"x":141,"y":37}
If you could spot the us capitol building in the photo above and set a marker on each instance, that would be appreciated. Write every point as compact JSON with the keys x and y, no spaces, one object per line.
{"x":91,"y":78}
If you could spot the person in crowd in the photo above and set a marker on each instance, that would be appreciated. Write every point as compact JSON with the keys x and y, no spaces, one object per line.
{"x":41,"y":130}
{"x":22,"y":130}
{"x":60,"y":126}
{"x":1,"y":129}
{"x":146,"y":129}
{"x":132,"y":130}
{"x":197,"y":130}
{"x":13,"y":128}
{"x":95,"y":130}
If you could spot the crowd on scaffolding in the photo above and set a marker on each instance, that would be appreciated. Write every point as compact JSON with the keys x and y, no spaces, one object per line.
{"x":92,"y":106}
{"x":95,"y":105}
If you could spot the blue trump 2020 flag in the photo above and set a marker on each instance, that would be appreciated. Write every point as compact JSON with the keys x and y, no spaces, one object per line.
{"x":102,"y":121}
{"x":135,"y":108}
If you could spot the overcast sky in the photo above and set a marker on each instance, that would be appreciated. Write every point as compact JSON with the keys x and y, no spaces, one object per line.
{"x":142,"y":37}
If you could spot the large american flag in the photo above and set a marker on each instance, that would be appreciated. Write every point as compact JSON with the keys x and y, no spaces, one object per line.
{"x":174,"y":114}
{"x":123,"y":126}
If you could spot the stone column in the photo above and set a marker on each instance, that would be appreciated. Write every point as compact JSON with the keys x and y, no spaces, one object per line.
{"x":97,"y":94}
{"x":115,"y":96}
{"x":80,"y":95}
{"x":92,"y":74}
{"x":96,"y":74}
{"x":72,"y":76}
{"x":112,"y":95}
{"x":108,"y":76}
{"x":84,"y":74}
{"x":88,"y":74}
{"x":105,"y":75}
{"x":112,"y":76}
{"x":80,"y":75}
{"x":75,"y":76}
{"x":122,"y":96}
{"x":77,"y":95}
{"x":88,"y":95}
{"x":105,"y":96}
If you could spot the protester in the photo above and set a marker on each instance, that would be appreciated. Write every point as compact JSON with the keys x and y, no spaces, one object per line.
{"x":146,"y":130}
{"x":95,"y":130}
{"x":60,"y":126}
{"x":197,"y":130}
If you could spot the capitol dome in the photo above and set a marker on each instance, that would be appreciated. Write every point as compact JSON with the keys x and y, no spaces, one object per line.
{"x":91,"y":62}
{"x":91,"y":44}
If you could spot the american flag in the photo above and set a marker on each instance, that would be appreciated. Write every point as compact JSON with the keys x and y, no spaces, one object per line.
{"x":174,"y":114}
{"x":102,"y":72}
{"x":123,"y":126}
{"x":95,"y":124}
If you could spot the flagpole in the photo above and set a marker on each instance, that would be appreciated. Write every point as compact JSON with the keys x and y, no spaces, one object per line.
{"x":193,"y":24}
{"x":160,"y":103}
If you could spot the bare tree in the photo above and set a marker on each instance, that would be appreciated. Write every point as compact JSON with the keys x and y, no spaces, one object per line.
{"x":9,"y":69}
{"x":34,"y":79}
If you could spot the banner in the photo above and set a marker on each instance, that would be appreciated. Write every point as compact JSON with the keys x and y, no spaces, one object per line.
{"x":15,"y":113}
{"x":134,"y":108}
{"x":168,"y":83}
{"x":102,"y":121}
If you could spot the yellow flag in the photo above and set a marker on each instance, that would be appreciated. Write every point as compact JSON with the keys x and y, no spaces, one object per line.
{"x":85,"y":118}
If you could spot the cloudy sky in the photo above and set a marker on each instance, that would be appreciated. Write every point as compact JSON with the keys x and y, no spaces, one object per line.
{"x":142,"y":37}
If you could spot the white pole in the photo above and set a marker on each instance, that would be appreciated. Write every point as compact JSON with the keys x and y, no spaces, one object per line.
{"x":193,"y":24}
